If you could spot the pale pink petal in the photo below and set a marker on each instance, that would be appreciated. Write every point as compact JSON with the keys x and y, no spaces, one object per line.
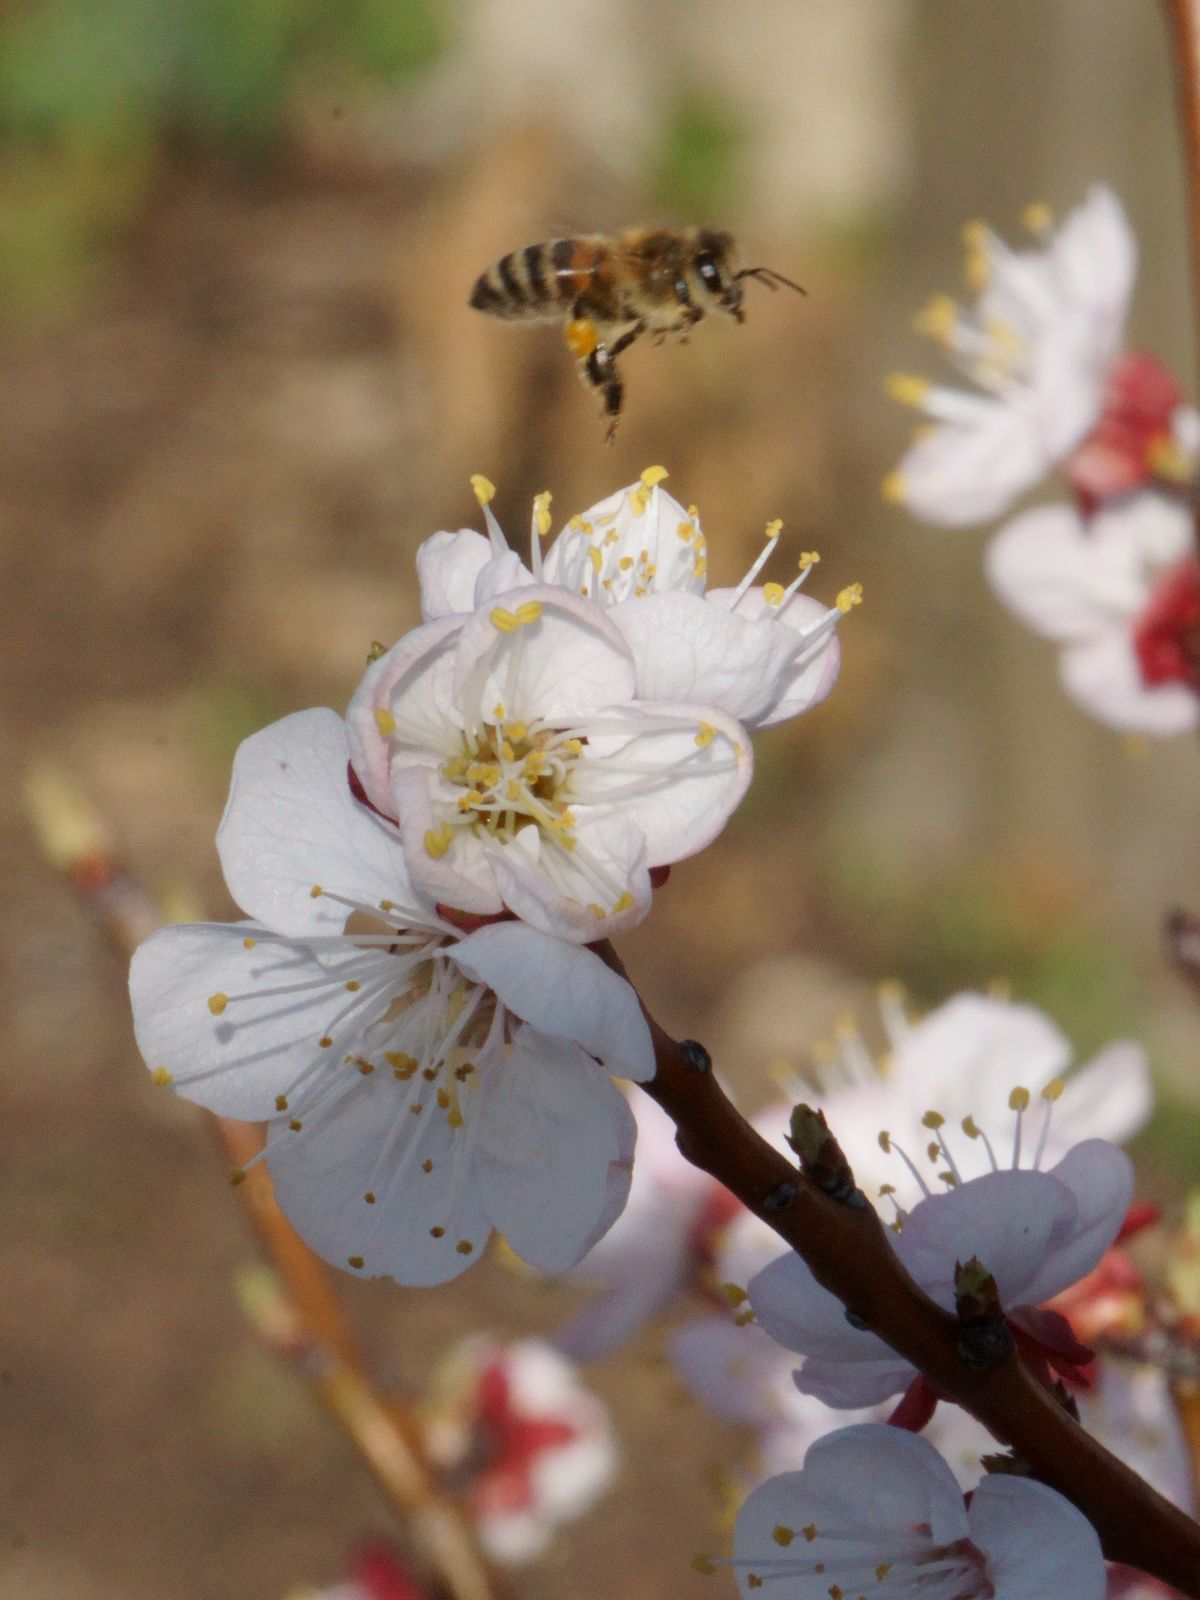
{"x":1061,"y":577}
{"x":447,"y":567}
{"x":962,"y":473}
{"x":1036,"y":1543}
{"x":595,"y":891}
{"x":814,"y":657}
{"x":1104,"y":677}
{"x":462,"y":875}
{"x":1094,"y":256}
{"x":408,"y":689}
{"x":562,"y":989}
{"x":552,"y":1141}
{"x":1110,"y":1098}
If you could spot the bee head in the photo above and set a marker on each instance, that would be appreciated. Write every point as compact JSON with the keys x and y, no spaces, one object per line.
{"x":714,"y":264}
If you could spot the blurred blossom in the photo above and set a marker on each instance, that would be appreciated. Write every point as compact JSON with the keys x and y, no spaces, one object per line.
{"x":1042,"y":347}
{"x":876,"y":1510}
{"x":1120,"y":596}
{"x":420,"y":1087}
{"x":527,"y":1447}
{"x":376,"y":1573}
{"x":1036,"y":1232}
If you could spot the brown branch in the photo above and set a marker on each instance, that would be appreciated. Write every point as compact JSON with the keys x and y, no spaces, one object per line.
{"x":321,"y":1342}
{"x":848,"y":1251}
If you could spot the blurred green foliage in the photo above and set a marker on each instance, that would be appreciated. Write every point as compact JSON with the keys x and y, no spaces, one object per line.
{"x":699,"y":156}
{"x":92,"y":91}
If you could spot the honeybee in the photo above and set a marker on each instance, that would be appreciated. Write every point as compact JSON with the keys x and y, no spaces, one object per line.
{"x":659,"y":281}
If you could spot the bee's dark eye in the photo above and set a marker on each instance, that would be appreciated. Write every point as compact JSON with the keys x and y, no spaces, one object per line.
{"x":709,"y":275}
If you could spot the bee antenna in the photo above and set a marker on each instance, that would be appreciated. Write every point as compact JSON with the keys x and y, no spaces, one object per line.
{"x":772,"y":279}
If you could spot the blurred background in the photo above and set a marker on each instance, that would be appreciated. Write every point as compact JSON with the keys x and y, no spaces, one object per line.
{"x":241,"y":383}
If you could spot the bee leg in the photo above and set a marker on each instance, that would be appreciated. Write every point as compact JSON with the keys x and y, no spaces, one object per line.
{"x":599,"y":372}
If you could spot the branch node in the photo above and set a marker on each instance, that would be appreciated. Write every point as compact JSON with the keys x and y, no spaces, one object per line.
{"x":695,"y":1055}
{"x":985,"y":1339}
{"x":781,"y":1198}
{"x":856,"y":1320}
{"x":821,"y":1158}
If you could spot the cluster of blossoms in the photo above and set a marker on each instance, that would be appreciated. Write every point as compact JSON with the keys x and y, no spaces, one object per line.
{"x":411,"y":1006}
{"x":1112,"y":579}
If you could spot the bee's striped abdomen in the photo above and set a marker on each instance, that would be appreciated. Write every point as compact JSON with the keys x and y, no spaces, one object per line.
{"x":521,"y":284}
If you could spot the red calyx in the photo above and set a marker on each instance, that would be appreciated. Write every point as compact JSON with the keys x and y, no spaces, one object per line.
{"x":1166,"y":637}
{"x":1139,"y":400}
{"x":512,"y":1444}
{"x":378,"y":1571}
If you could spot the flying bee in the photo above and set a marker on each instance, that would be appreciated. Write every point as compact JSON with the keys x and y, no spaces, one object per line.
{"x":611,"y":291}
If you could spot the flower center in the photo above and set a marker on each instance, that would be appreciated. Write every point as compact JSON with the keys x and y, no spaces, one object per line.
{"x":861,"y":1563}
{"x":1166,"y":637}
{"x":511,"y":774}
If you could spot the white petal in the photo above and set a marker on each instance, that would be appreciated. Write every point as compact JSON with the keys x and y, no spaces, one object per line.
{"x":675,"y":772}
{"x":732,"y":1370}
{"x":1158,"y":530}
{"x":291,"y":823}
{"x":1035,"y":1541}
{"x":553,"y":1142}
{"x":562,"y":989}
{"x":367,"y":1141}
{"x":1133,"y":1413}
{"x":1100,"y":1176}
{"x":635,"y":549}
{"x":1110,"y":1098}
{"x":1094,"y":254}
{"x":962,"y":473}
{"x":411,"y":685}
{"x":574,"y":895}
{"x":273,"y":1002}
{"x":447,"y":567}
{"x":502,"y":574}
{"x":562,"y":666}
{"x":462,"y":877}
{"x":812,"y":667}
{"x":850,"y":1385}
{"x":1061,"y":577}
{"x":688,"y":649}
{"x":1104,"y":677}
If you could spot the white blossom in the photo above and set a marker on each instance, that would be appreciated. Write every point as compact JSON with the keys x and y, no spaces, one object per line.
{"x":875,"y":1511}
{"x":1120,"y":595}
{"x":420,"y":1087}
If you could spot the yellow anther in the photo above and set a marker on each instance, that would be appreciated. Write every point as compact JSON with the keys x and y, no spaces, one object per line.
{"x":454,"y":1118}
{"x":907,"y":388}
{"x":933,"y":1151}
{"x":353,"y":986}
{"x":469,"y":800}
{"x":882,"y":1570}
{"x":894,"y":489}
{"x":625,"y":563}
{"x":217,"y":1003}
{"x":938,"y":319}
{"x":237,"y":1176}
{"x":355,"y":1261}
{"x":464,"y":1247}
{"x":977,"y":270}
{"x":685,"y":531}
{"x":999,"y":989}
{"x":975,"y":234}
{"x":504,"y":621}
{"x":773,"y":593}
{"x":160,"y":1077}
{"x":401,"y":1064}
{"x":315,"y":892}
{"x":849,"y":597}
{"x":295,"y":1125}
{"x":281,"y":1102}
{"x":704,"y":1564}
{"x":970,"y":1127}
{"x":810,"y":1532}
{"x":1053,"y":1089}
{"x":1038,"y":217}
{"x":527,"y":613}
{"x":654,"y":475}
{"x":623,"y":902}
{"x":512,"y":789}
{"x":639,"y":499}
{"x":809,"y":558}
{"x":753,"y":1581}
{"x":934,"y":1120}
{"x":573,"y":747}
{"x":427,"y":1166}
{"x":733,"y":1293}
{"x":885,"y":1142}
{"x":891,"y":992}
{"x":887,"y":1188}
{"x":596,"y":559}
{"x":507,"y":753}
{"x":541,"y":513}
{"x":1168,"y":461}
{"x":325,"y":1042}
{"x":438,"y":840}
{"x":783,"y":1535}
{"x":385,"y":721}
{"x":1018,"y":1100}
{"x":515,"y":730}
{"x":248,"y":944}
{"x":743,"y":1319}
{"x":581,"y":338}
{"x":369,"y":1198}
{"x":437,"y":1233}
{"x":454,"y":767}
{"x":774,"y":528}
{"x":701,"y":567}
{"x":706,"y":735}
{"x":597,"y":911}
{"x":443,"y":1099}
{"x":564,"y":820}
{"x":484,"y":489}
